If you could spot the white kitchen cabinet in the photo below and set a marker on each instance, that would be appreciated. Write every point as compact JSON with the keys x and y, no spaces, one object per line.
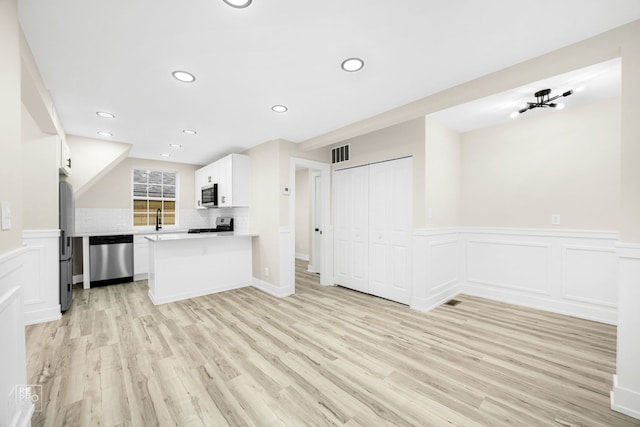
{"x":199,"y":180}
{"x":140,"y":257}
{"x":373,"y":208}
{"x":234,"y":181}
{"x":64,"y":166}
{"x":232,"y":174}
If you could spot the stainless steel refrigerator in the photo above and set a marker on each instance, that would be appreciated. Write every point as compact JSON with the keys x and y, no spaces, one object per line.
{"x":67,"y":230}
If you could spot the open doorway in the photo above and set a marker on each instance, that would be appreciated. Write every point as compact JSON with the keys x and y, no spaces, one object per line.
{"x":317,"y":247}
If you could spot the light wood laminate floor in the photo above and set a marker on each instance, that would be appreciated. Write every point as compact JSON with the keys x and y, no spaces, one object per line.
{"x":326,"y":356}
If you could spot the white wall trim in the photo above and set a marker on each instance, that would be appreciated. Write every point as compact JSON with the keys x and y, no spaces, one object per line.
{"x":42,"y":276}
{"x":624,"y":400}
{"x":301,"y":256}
{"x":13,"y":370}
{"x":41,"y":234}
{"x":572,"y":272}
{"x":270,"y":289}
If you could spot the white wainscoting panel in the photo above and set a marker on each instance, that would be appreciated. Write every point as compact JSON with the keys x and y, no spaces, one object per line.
{"x":518,"y":265}
{"x":589,"y":273}
{"x":436,"y":268}
{"x":565,"y":271}
{"x":42,"y":276}
{"x":13,"y":359}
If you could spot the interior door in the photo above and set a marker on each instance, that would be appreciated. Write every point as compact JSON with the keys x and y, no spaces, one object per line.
{"x":391,"y":221}
{"x":351,"y":224}
{"x":316,"y":223}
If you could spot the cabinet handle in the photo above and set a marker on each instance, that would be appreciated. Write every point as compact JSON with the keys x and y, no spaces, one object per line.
{"x":69,"y":162}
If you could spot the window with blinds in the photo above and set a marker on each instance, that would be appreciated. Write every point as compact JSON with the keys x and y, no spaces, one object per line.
{"x":153,"y":190}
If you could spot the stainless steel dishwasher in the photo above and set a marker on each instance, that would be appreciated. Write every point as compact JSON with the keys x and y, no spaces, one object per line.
{"x":111,"y":259}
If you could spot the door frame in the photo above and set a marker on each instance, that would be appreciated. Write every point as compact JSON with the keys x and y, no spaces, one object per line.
{"x":326,"y":270}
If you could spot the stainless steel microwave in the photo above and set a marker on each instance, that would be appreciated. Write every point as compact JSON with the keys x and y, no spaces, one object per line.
{"x":210,"y":196}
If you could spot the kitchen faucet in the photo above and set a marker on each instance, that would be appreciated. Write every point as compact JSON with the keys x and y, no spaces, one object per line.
{"x":158,"y":220}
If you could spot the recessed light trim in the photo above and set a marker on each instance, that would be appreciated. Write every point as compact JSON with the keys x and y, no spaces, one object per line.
{"x":183,"y":76}
{"x":351,"y":65}
{"x":165,"y":155}
{"x":175,"y":146}
{"x":280,"y":108}
{"x":238,"y":4}
{"x":189,"y":132}
{"x":104,"y":133}
{"x":105,"y":115}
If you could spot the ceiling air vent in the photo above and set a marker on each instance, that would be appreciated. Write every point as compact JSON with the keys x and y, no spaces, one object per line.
{"x":340,"y":154}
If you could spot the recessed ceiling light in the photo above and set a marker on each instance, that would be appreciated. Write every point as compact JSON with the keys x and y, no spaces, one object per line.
{"x":105,"y":133}
{"x":176,"y":146}
{"x":514,"y":114}
{"x":352,"y":64}
{"x":164,"y":154}
{"x":279,"y":108}
{"x":560,"y":106}
{"x":105,"y":115}
{"x":189,"y":132}
{"x":238,"y":3}
{"x":183,"y":76}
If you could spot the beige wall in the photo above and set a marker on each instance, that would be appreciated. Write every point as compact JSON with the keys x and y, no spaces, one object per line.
{"x":401,"y":140}
{"x":114,"y":189}
{"x":442,"y":175}
{"x":303,"y":212}
{"x":560,"y":162}
{"x":11,"y":159}
{"x":270,"y":170}
{"x":39,"y":176}
{"x":264,"y":210}
{"x":287,"y":151}
{"x":630,"y":135}
{"x":92,"y":159}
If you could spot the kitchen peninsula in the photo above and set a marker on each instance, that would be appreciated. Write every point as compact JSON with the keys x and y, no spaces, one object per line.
{"x":185,"y":266}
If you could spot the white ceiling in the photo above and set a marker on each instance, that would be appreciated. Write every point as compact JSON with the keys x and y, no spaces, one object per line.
{"x":118,"y":55}
{"x":589,"y":84}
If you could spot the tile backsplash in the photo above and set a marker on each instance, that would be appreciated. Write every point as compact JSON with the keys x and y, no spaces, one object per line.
{"x":97,"y":220}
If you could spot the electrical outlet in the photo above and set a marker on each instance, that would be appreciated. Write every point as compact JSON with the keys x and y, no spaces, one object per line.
{"x":555,"y":219}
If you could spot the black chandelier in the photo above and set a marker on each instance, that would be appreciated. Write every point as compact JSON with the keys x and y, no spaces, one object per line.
{"x":543,"y":100}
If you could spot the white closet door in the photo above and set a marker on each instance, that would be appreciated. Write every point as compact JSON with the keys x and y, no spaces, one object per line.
{"x":391,"y":221}
{"x":351,"y":225}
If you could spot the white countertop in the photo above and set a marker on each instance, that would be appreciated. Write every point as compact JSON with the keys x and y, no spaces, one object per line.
{"x":132,"y":232}
{"x":168,"y":237}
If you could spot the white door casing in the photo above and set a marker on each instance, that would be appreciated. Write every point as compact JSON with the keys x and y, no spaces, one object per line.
{"x":316,"y":223}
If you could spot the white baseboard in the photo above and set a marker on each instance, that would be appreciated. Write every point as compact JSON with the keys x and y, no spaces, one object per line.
{"x":194,"y":294}
{"x":623,"y":400}
{"x":77,"y":278}
{"x":140,"y":276}
{"x":427,"y":304}
{"x":43,"y":315}
{"x":303,"y":257}
{"x":598,"y":314}
{"x":270,"y":289}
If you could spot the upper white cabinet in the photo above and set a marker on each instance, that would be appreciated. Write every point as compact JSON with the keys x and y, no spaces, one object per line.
{"x":232,"y":174}
{"x":64,"y":165}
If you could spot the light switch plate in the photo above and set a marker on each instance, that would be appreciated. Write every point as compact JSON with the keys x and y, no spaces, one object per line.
{"x":555,"y":219}
{"x":6,"y":215}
